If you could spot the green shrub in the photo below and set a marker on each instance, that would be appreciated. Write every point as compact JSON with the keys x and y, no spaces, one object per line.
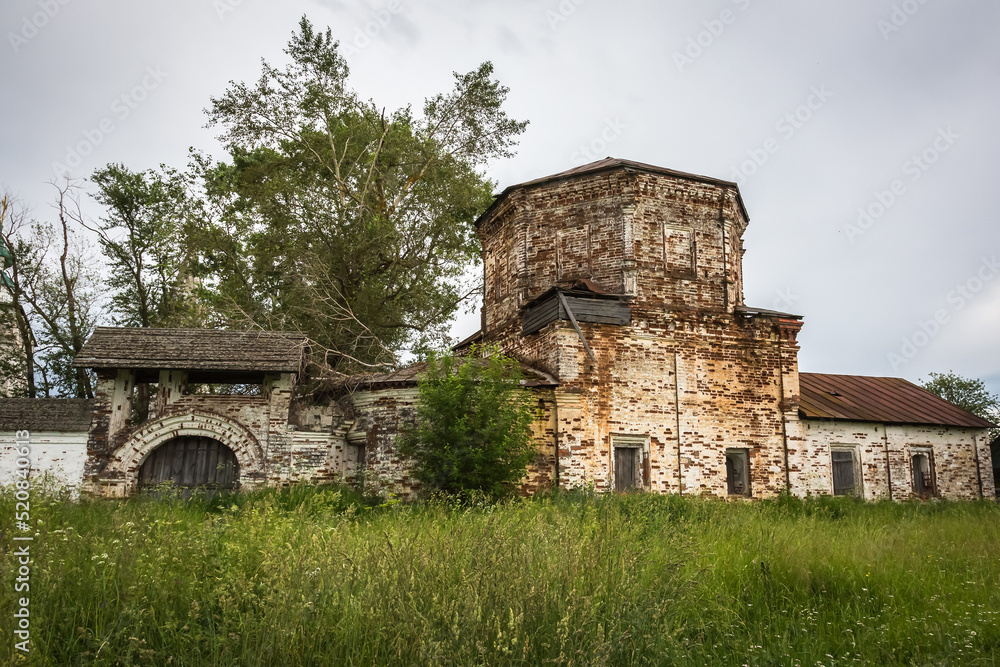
{"x":473,"y":426}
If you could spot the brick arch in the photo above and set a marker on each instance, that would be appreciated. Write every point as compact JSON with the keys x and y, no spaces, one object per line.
{"x":151,"y":435}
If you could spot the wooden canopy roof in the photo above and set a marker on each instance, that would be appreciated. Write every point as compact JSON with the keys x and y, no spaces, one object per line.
{"x":193,"y":349}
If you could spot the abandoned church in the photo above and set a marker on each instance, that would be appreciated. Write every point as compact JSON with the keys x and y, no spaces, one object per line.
{"x":618,"y":286}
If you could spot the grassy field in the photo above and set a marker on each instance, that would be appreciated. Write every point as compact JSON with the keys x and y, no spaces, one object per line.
{"x":321,"y":577}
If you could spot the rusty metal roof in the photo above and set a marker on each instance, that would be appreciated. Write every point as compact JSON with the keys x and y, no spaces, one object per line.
{"x":193,"y":349}
{"x":609,"y":164}
{"x":46,"y":414}
{"x":616,"y":163}
{"x":877,"y":399}
{"x":409,"y":376}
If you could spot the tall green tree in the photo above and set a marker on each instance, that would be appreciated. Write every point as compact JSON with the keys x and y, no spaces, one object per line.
{"x":141,"y":236}
{"x":473,"y":426}
{"x":335,"y":217}
{"x":970,"y":394}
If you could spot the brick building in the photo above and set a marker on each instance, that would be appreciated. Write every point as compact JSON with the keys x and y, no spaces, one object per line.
{"x":619,"y":287}
{"x":624,"y":281}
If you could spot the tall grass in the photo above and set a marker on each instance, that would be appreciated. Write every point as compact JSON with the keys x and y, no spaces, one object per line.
{"x":318,"y":576}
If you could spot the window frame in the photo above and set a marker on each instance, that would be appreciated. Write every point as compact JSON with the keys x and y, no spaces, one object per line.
{"x":927,"y":453}
{"x":744,"y":453}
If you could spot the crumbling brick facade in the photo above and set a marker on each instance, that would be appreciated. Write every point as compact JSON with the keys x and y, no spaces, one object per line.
{"x":690,"y":374}
{"x":619,"y":288}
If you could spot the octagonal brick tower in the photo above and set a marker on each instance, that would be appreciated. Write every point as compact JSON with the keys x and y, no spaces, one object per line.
{"x":624,"y":281}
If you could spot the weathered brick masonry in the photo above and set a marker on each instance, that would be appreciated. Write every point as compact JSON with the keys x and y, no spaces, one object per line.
{"x":619,"y":288}
{"x":694,"y":377}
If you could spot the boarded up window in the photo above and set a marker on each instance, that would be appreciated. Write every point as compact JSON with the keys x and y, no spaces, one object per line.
{"x":679,"y":250}
{"x":846,"y":480}
{"x":738,"y":472}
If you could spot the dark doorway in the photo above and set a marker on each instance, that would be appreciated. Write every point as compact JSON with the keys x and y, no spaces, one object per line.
{"x":627,"y":470}
{"x":191,"y":462}
{"x":923,"y":474}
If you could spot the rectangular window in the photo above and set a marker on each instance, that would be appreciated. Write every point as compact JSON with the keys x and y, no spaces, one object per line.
{"x":923,"y":472}
{"x":846,"y":473}
{"x":738,"y":472}
{"x":630,"y":453}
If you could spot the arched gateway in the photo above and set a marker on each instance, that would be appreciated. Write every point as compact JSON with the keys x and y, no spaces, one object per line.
{"x":197,"y":407}
{"x":193,"y":449}
{"x":191,"y":461}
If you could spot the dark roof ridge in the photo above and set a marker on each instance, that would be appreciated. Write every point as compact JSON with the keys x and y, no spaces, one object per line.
{"x":610,"y":163}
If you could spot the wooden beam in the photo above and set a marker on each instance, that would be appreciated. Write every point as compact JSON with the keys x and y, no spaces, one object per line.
{"x":579,"y":332}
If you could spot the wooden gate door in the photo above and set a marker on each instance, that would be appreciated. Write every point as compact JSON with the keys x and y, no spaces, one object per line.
{"x":190,"y":462}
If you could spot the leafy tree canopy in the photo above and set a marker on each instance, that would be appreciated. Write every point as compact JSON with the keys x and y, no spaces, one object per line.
{"x":335,"y":217}
{"x":141,"y":237}
{"x":969,"y":394}
{"x":473,"y":426}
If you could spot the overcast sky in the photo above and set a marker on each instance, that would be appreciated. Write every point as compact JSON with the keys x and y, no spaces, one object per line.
{"x":864,"y":135}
